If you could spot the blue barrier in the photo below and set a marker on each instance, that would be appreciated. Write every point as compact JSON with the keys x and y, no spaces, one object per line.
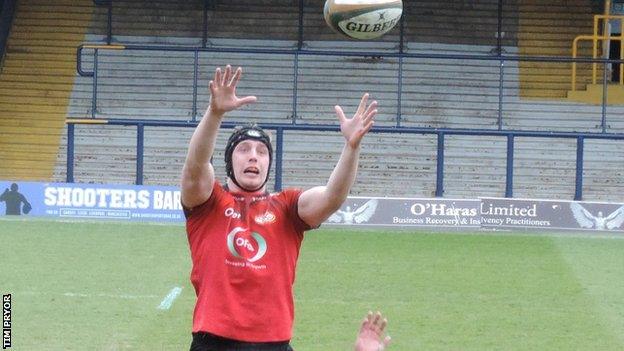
{"x":578,"y":193}
{"x":509,"y":169}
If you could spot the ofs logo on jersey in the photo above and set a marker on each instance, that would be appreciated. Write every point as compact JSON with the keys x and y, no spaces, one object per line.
{"x":246,"y":247}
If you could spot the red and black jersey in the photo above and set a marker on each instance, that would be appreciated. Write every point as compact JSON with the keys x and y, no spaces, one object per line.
{"x":244,"y":250}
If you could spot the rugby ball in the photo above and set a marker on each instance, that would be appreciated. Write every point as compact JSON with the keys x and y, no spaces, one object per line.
{"x":362,"y":19}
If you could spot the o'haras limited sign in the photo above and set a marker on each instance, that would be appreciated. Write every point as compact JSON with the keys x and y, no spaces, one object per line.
{"x":487,"y":213}
{"x":551,"y":214}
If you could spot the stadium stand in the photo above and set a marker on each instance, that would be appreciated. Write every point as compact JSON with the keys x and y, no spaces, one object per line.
{"x":36,"y":81}
{"x":461,"y":22}
{"x":435,"y":93}
{"x":548,"y":29}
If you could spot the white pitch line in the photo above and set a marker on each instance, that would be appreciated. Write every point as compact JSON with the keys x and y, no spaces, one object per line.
{"x":166,"y":303}
{"x":119,"y":296}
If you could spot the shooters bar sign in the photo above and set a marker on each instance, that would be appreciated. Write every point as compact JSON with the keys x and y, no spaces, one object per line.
{"x":67,"y":200}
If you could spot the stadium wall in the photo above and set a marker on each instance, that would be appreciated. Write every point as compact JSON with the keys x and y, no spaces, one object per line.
{"x":162,"y":204}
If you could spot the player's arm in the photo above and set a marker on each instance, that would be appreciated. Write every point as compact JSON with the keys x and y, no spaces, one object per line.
{"x":198,"y":174}
{"x":317,"y":204}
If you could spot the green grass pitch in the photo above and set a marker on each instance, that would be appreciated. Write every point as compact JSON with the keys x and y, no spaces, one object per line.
{"x":98,"y":285}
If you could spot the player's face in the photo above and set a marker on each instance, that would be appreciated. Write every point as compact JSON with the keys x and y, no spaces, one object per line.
{"x":250,"y":162}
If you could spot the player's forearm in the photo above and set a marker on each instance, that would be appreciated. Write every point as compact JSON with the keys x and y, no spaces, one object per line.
{"x":203,"y":141}
{"x":318,"y":203}
{"x":343,"y":175}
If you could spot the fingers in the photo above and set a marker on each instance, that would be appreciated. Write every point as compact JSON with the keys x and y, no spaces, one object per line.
{"x":367,"y":322}
{"x":370,"y":112}
{"x":236,"y":78}
{"x":211,"y":85}
{"x":387,"y":341}
{"x":368,"y":127}
{"x":365,"y":112}
{"x":342,"y":118}
{"x":364,"y":325}
{"x":383,"y":324}
{"x":227,"y":76}
{"x":362,"y":105}
{"x":372,"y":330}
{"x":369,"y":318}
{"x":376,"y":319}
{"x":246,"y":100}
{"x":368,"y":123}
{"x":378,"y":323}
{"x":217,"y":76}
{"x":375,"y":322}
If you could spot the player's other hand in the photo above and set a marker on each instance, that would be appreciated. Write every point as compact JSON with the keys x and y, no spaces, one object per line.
{"x":371,"y":336}
{"x":354,"y":129}
{"x":223,"y":91}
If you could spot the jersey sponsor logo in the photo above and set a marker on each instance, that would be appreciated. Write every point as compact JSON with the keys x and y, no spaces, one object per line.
{"x":230,"y":212}
{"x":267,"y":217}
{"x":246,"y":245}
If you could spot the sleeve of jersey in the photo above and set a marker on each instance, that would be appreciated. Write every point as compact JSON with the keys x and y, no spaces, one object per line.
{"x":291,"y":197}
{"x":191,"y":212}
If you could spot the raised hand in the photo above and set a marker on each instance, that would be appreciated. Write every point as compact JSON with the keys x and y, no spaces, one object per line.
{"x":371,"y":334}
{"x":223,"y":91}
{"x":354,"y":129}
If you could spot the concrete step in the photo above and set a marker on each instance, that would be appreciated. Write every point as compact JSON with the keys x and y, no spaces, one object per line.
{"x":23,"y":37}
{"x":594,"y":94}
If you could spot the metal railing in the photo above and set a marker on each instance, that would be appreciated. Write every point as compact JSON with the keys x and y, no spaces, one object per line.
{"x":207,"y":6}
{"x":295,"y":125}
{"x":597,"y":38}
{"x":297,"y":53}
{"x":281,"y":128}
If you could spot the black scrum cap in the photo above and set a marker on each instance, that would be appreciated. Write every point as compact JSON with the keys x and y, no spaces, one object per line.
{"x":241,"y":133}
